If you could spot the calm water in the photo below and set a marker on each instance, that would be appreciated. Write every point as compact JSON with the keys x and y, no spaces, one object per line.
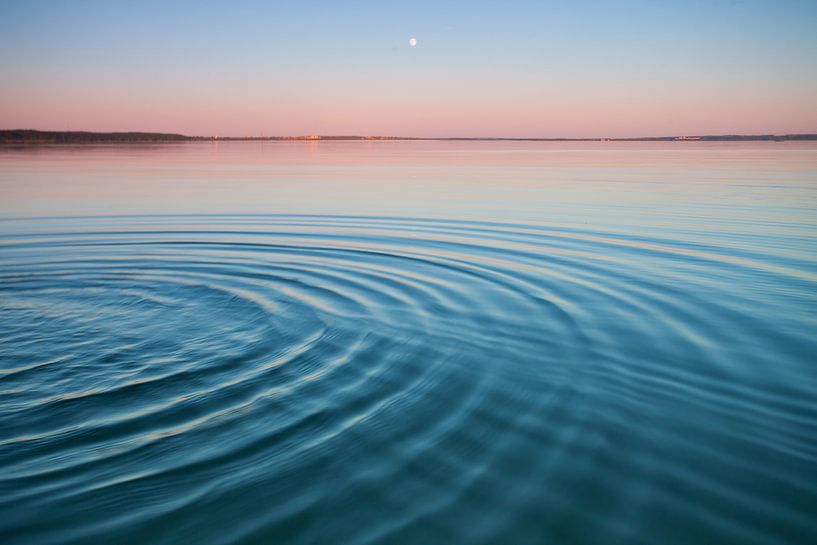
{"x":409,"y":343}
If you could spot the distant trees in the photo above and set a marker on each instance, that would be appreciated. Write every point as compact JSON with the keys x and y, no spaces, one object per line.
{"x":29,"y":136}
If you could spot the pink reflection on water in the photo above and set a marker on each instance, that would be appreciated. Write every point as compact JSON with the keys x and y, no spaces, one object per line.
{"x":570,"y":183}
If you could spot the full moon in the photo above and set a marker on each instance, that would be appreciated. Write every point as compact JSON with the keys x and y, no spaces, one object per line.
{"x":413,"y":42}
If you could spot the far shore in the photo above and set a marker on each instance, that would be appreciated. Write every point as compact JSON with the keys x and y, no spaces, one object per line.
{"x":30,"y":136}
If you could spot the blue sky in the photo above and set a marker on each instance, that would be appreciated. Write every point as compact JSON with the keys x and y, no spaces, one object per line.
{"x":517,"y":68}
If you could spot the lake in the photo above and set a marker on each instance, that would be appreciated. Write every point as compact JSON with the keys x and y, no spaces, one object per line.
{"x":409,"y":342}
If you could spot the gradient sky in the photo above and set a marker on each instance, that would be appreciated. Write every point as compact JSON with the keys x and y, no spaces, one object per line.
{"x":502,"y":68}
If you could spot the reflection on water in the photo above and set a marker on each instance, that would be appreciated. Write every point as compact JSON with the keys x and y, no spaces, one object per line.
{"x":409,"y":342}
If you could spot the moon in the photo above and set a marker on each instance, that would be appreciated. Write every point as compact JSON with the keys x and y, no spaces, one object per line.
{"x":413,"y":42}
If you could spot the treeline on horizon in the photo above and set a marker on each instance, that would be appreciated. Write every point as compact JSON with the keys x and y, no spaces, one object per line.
{"x":30,"y":136}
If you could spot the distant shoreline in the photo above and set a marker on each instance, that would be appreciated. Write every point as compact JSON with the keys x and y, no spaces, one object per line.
{"x":29,"y":136}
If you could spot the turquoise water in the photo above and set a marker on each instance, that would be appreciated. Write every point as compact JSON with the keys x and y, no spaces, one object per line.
{"x":409,"y":342}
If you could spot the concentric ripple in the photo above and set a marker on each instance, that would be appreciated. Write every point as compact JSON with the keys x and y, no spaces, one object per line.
{"x":316,"y":379}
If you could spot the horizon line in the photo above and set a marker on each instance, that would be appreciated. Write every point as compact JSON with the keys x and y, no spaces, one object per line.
{"x":23,"y":135}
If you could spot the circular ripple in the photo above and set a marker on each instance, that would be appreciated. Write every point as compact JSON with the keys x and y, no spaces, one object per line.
{"x":288,"y":378}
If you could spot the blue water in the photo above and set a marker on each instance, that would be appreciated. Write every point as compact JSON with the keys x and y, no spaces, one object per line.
{"x":409,"y":343}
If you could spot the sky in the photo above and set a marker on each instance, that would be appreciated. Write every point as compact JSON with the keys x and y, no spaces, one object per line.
{"x":538,"y":68}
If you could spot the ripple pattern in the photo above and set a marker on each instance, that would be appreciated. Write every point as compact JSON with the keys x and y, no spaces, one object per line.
{"x":364,"y":380}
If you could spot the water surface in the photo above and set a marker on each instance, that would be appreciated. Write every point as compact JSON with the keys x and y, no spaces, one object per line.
{"x":409,"y":342}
